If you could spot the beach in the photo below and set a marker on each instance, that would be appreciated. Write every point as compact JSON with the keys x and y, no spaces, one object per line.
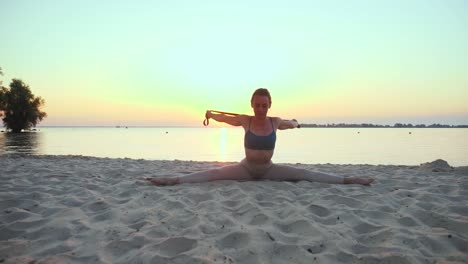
{"x":79,"y":209}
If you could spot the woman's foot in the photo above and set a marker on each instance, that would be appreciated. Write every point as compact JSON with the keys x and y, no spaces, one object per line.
{"x":358,"y":180}
{"x":163,"y":180}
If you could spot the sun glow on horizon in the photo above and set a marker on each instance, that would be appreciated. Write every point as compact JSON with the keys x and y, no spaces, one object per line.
{"x":353,"y":61}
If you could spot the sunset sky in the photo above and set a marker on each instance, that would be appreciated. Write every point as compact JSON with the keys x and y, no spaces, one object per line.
{"x":157,"y":63}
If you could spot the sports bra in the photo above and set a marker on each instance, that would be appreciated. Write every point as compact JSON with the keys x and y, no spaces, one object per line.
{"x":252,"y":141}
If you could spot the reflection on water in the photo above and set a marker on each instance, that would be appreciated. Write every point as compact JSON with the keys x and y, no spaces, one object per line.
{"x":20,"y":143}
{"x":309,"y":146}
{"x":222,"y":150}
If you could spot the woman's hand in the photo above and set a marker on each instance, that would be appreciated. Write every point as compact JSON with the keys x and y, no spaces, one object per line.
{"x":208,"y":114}
{"x":297,"y":123}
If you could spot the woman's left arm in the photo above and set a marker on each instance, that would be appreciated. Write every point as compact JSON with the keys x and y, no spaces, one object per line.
{"x":288,"y":124}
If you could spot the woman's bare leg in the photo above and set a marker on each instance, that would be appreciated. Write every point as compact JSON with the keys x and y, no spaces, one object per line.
{"x":230,"y":172}
{"x":288,"y":173}
{"x":358,"y":180}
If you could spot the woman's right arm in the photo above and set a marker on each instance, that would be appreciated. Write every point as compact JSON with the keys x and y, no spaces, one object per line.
{"x":228,"y":119}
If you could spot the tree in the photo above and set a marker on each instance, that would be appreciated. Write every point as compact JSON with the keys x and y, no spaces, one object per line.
{"x":2,"y":92}
{"x":20,"y":108}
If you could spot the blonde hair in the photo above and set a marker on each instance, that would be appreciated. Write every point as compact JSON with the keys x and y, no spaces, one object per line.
{"x":261,"y":92}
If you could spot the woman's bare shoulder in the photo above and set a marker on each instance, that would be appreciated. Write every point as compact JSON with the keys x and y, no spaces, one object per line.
{"x":275,"y":118}
{"x":244,"y":120}
{"x":276,"y":121}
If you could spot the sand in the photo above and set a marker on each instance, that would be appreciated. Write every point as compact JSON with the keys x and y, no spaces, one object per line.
{"x":75,"y":209}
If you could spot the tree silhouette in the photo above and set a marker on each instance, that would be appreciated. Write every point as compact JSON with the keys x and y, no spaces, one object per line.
{"x":2,"y":92}
{"x":19,"y":108}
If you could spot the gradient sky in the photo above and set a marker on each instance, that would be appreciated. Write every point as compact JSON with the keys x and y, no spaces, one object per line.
{"x":165,"y":62}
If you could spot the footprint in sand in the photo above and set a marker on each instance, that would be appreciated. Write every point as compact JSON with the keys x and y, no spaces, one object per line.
{"x":234,"y":240}
{"x":258,"y":219}
{"x":300,"y":227}
{"x":176,"y":245}
{"x":319,"y":210}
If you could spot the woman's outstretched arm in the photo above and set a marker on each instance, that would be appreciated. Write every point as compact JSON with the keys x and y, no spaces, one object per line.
{"x":288,"y":124}
{"x":233,"y":120}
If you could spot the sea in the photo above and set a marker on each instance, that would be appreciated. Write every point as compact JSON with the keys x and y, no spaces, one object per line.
{"x":387,"y":146}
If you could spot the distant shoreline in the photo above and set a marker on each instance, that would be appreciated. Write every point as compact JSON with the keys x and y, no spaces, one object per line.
{"x":397,"y":125}
{"x":340,"y":125}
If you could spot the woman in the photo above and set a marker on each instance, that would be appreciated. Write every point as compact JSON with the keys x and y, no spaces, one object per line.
{"x":259,"y":143}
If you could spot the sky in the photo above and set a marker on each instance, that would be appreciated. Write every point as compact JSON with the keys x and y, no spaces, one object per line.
{"x":164,"y":63}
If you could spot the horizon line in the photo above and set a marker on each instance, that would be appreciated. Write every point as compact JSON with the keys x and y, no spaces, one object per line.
{"x":302,"y":124}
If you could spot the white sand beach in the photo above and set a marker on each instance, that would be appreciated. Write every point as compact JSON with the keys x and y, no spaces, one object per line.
{"x":75,"y":209}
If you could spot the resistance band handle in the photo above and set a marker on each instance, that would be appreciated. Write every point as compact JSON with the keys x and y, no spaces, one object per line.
{"x":206,"y":122}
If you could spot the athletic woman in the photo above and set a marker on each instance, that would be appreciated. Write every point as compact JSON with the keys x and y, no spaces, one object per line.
{"x":259,"y":144}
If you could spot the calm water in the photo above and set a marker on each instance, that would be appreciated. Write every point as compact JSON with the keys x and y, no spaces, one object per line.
{"x":308,"y":145}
